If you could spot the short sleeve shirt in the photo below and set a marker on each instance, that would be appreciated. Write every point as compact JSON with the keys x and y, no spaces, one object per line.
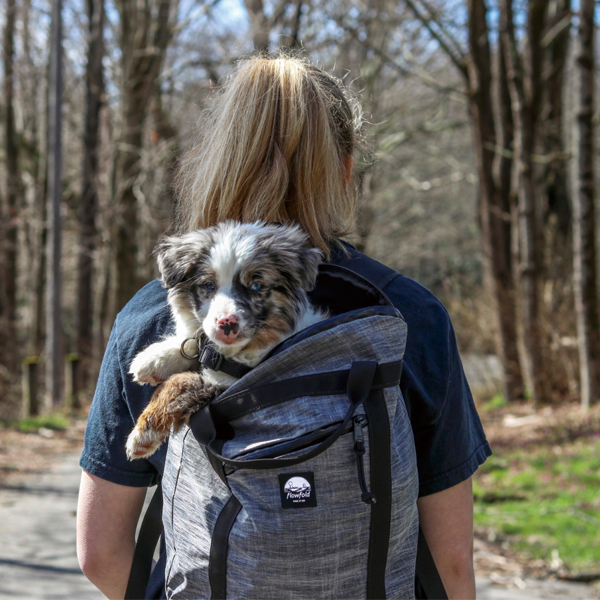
{"x":450,"y":442}
{"x":449,"y":439}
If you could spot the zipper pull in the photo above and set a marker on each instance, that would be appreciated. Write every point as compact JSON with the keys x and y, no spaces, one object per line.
{"x":359,"y":449}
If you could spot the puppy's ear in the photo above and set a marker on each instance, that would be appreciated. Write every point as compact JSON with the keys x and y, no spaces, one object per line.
{"x":310,"y":259}
{"x":295,"y":254}
{"x":178,"y":256}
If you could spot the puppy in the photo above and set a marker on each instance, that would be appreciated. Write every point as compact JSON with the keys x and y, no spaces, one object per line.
{"x":239,"y":288}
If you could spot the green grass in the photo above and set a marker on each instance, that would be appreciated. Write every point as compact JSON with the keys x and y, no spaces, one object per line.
{"x":498,"y":401}
{"x":56,"y":422}
{"x":545,"y":498}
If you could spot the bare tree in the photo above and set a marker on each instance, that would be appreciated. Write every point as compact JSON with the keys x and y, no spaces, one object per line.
{"x":146,"y":28}
{"x":524,"y":83}
{"x":494,"y":203}
{"x":13,"y":193}
{"x":557,"y":203}
{"x":54,"y":345}
{"x":34,"y":100}
{"x":94,"y":84}
{"x":584,"y":213}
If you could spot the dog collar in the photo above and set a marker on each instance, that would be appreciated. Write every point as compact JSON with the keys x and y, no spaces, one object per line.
{"x":212,"y":359}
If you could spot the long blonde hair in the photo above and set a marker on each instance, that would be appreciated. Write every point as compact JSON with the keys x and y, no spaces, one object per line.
{"x":274,"y":147}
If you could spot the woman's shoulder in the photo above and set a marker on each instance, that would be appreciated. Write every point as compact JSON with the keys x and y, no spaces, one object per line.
{"x":144,"y":319}
{"x":418,"y":305}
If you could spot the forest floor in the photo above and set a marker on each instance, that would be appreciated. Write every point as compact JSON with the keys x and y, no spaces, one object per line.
{"x":536,"y":523}
{"x":537,"y":498}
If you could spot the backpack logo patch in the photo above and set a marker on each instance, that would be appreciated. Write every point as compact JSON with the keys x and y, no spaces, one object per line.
{"x":297,"y":490}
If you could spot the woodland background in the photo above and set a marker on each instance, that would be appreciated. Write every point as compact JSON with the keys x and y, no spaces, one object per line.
{"x":477,"y":172}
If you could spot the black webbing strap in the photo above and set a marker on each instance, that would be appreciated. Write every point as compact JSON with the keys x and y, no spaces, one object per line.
{"x":381,"y":486}
{"x":145,"y":546}
{"x":219,"y":547}
{"x":231,"y":407}
{"x":427,"y":572}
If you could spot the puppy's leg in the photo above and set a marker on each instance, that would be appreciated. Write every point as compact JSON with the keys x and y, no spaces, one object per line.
{"x":171,"y":406}
{"x":159,"y":361}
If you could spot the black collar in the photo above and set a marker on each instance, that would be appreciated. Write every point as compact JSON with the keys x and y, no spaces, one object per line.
{"x":212,"y":359}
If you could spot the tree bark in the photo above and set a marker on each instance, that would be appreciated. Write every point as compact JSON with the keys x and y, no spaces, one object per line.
{"x":584,"y":214}
{"x":13,"y":198}
{"x":259,"y":24}
{"x":524,"y":84}
{"x":32,"y":86}
{"x":94,"y":83}
{"x":494,"y":195}
{"x":54,"y":346}
{"x":555,"y":187}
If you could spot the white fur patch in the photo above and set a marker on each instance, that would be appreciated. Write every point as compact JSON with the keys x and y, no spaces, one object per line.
{"x":142,"y":444}
{"x":159,"y":361}
{"x":231,"y":252}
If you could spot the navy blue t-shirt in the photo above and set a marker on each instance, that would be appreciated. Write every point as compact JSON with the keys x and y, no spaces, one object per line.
{"x":450,"y":442}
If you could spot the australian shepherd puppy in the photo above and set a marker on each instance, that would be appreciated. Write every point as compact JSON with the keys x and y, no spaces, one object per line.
{"x":242,"y":289}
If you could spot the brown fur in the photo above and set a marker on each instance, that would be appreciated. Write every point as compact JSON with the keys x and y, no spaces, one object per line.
{"x":268,"y":336}
{"x":175,"y":401}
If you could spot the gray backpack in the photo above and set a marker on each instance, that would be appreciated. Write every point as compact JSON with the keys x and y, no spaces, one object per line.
{"x":300,"y":480}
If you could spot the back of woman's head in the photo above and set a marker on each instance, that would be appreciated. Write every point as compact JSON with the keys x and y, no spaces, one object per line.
{"x":275,"y":146}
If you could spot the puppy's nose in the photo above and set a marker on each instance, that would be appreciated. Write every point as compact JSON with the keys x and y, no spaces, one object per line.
{"x":229,"y":324}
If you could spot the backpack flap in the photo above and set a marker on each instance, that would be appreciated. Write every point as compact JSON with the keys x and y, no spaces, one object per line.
{"x":359,"y":383}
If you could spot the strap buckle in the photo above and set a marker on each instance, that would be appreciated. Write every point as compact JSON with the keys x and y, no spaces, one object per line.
{"x":210,"y":358}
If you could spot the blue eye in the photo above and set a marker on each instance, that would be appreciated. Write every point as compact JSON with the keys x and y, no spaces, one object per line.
{"x":209,"y":286}
{"x":256,"y":286}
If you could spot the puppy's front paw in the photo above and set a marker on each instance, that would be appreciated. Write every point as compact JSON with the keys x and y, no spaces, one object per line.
{"x":143,"y":443}
{"x":150,"y":366}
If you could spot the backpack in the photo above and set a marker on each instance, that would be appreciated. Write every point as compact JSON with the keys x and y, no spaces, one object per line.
{"x":300,"y":480}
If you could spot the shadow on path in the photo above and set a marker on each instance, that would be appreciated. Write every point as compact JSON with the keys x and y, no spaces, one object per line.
{"x":36,"y":566}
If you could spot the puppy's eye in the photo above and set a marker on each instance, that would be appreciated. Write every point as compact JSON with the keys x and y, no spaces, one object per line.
{"x":256,"y":286}
{"x":208,"y":286}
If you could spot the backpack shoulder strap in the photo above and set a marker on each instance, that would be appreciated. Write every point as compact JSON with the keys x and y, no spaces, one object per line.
{"x":369,"y":268}
{"x":148,"y":537}
{"x":427,"y":573}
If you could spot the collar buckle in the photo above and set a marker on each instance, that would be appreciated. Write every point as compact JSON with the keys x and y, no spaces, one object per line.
{"x":210,"y":358}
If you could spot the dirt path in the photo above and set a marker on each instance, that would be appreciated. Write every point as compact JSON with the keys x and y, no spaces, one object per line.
{"x":37,"y":536}
{"x":37,"y":544}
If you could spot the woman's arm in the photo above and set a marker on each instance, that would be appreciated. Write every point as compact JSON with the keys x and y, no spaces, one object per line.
{"x":446,"y":519}
{"x":107,"y":516}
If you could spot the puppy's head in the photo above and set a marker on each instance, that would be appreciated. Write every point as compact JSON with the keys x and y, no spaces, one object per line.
{"x":246,"y":284}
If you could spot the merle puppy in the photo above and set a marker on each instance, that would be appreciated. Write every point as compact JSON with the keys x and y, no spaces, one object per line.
{"x":242,"y":287}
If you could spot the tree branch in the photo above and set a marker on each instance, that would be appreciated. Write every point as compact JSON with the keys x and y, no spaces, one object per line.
{"x":428,"y":21}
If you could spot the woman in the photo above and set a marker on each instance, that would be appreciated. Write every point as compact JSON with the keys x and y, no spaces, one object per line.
{"x":277,"y":146}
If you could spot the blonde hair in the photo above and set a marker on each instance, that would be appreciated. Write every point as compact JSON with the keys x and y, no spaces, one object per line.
{"x":273,"y":147}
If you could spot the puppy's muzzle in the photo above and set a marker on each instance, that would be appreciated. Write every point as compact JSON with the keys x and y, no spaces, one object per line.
{"x":229,"y":327}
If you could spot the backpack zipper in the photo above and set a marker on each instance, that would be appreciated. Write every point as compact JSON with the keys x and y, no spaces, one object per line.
{"x":359,"y":449}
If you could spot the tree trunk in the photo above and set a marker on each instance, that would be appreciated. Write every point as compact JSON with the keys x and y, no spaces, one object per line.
{"x":494,"y":194}
{"x":555,"y":186}
{"x":13,"y":199}
{"x":35,"y":223}
{"x":584,"y":214}
{"x":144,"y":36}
{"x":89,"y":195}
{"x":164,"y":132}
{"x":524,"y":86}
{"x":54,"y":349}
{"x":259,"y":24}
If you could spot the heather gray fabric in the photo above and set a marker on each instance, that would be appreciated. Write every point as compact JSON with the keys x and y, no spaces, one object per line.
{"x":295,"y":553}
